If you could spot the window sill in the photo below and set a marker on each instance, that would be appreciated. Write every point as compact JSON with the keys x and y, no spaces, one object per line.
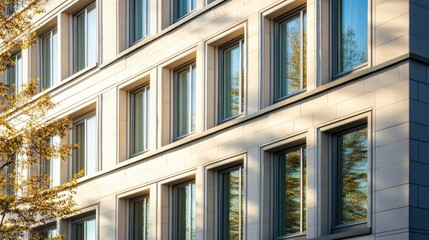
{"x":346,"y":234}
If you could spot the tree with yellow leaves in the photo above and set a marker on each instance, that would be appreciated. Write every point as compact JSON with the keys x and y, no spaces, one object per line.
{"x":28,"y":199}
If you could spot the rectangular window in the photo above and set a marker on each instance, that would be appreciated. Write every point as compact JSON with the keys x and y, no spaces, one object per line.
{"x":85,"y":38}
{"x":48,"y":232}
{"x":184,"y":101}
{"x":231,"y":80}
{"x":140,"y":104}
{"x":139,"y":19}
{"x":184,"y":211}
{"x":84,"y":229}
{"x":350,"y":38}
{"x":231,"y":203}
{"x":290,"y":187}
{"x":13,"y":74}
{"x":49,"y":59}
{"x":8,"y":173}
{"x":291,"y":54}
{"x":85,"y":135}
{"x":182,"y":8}
{"x":350,"y":203}
{"x":49,"y":167}
{"x":139,"y":218}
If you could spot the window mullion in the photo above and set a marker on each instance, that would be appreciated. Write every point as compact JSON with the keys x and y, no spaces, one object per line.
{"x":190,"y":104}
{"x":301,"y":193}
{"x":86,"y":37}
{"x":240,"y":78}
{"x":240,"y":199}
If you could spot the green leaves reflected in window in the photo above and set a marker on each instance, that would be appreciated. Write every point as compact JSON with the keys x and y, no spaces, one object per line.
{"x":184,"y":211}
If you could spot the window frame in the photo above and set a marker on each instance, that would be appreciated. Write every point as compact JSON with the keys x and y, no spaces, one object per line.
{"x":18,"y":72}
{"x":146,"y":117}
{"x":191,"y":66}
{"x":242,"y":79}
{"x":83,"y":220}
{"x":221,"y":199}
{"x":131,"y":22}
{"x":334,"y":161}
{"x":44,"y":161}
{"x":81,"y":120}
{"x":54,"y":82}
{"x":300,"y":11}
{"x":335,"y":25}
{"x":173,"y":10}
{"x":145,"y":198}
{"x":275,"y":189}
{"x":175,"y":199}
{"x":84,"y":11}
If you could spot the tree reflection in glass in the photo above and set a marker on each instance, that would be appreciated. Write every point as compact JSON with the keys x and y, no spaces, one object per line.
{"x":291,"y":192}
{"x":352,"y":36}
{"x":232,"y":204}
{"x":352,"y":176}
{"x":292,"y":50}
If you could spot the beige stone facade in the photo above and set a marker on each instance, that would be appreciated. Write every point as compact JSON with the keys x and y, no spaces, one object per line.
{"x":388,"y":95}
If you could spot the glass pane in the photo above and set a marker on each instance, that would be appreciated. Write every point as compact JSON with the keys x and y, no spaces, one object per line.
{"x":91,"y":161}
{"x":90,"y":230}
{"x":352,"y":34}
{"x":186,"y":212}
{"x":289,"y":74}
{"x":231,"y":92}
{"x":46,"y":62}
{"x":18,"y":66}
{"x":185,"y":102}
{"x":79,"y":231}
{"x":232,"y":206}
{"x":80,"y":152}
{"x":140,"y":219}
{"x":54,"y":68}
{"x":291,"y":192}
{"x":81,"y":47}
{"x":56,"y":164}
{"x":138,"y":122}
{"x":139,"y":19}
{"x":92,"y":33}
{"x":352,"y":185}
{"x":183,"y":7}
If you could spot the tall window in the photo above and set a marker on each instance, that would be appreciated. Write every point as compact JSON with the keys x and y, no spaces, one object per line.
{"x":184,"y":101}
{"x":13,"y":74}
{"x":49,"y":167}
{"x":350,"y":177}
{"x":140,"y":120}
{"x":139,"y":218}
{"x":290,"y":210}
{"x":49,"y":59}
{"x":231,"y":80}
{"x":184,"y":211}
{"x":291,"y":59}
{"x":85,"y":37}
{"x":8,"y":173}
{"x":231,"y":205}
{"x":84,"y":229}
{"x":351,"y":34}
{"x":85,"y":135}
{"x":182,"y":8}
{"x":139,"y":19}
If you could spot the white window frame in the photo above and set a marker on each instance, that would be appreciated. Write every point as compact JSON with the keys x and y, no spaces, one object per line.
{"x":173,"y":10}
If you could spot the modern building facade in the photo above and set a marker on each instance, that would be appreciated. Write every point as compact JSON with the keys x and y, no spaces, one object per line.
{"x":239,"y":119}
